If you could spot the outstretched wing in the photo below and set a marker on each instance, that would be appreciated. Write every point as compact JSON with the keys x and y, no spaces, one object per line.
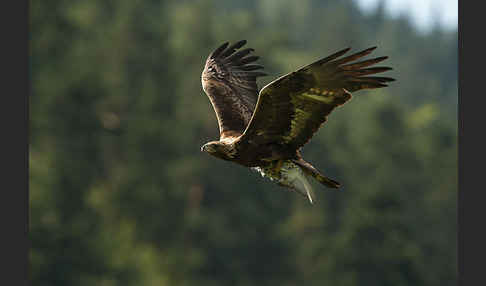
{"x":229,"y":80}
{"x":293,"y":107}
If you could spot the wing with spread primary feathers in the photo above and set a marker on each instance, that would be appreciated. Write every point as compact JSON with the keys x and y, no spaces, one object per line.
{"x":293,"y":107}
{"x":229,"y":80}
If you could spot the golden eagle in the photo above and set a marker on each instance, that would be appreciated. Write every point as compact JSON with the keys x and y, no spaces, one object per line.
{"x":265,"y":130}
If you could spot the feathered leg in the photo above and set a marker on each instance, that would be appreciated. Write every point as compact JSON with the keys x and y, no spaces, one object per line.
{"x":278,"y":166}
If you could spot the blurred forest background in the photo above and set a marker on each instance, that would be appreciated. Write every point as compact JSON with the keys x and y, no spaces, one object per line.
{"x":120,"y":193}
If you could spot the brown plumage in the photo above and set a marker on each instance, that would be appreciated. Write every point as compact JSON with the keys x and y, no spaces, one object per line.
{"x":265,"y":130}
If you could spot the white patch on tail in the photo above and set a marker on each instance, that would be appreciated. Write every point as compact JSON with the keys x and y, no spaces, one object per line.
{"x":291,"y":176}
{"x":296,"y":178}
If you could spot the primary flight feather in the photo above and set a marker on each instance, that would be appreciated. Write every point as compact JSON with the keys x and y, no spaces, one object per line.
{"x":265,"y":130}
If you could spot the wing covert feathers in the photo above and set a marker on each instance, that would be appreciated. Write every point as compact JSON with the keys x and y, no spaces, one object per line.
{"x":291,"y":108}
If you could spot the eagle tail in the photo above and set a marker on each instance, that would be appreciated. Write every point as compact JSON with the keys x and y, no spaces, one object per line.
{"x":311,"y":171}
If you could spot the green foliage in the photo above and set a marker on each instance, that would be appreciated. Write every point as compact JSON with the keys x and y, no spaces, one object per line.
{"x":121,"y":195}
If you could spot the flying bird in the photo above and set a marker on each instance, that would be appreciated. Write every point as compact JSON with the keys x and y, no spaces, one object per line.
{"x":265,"y":130}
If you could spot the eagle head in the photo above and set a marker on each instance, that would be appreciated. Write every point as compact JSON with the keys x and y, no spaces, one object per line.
{"x":218,"y":149}
{"x":210,"y":147}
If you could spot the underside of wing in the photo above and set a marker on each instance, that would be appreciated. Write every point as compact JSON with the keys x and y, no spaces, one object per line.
{"x":293,"y":107}
{"x":229,"y":80}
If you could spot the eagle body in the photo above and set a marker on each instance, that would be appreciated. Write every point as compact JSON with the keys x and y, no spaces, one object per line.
{"x":265,"y":130}
{"x":251,"y":155}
